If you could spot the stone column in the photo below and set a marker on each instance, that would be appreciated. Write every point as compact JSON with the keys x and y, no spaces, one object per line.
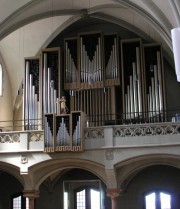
{"x":31,"y":194}
{"x":113,"y":194}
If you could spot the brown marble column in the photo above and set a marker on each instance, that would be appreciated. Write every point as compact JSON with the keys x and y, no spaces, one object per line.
{"x":31,"y":194}
{"x":113,"y":194}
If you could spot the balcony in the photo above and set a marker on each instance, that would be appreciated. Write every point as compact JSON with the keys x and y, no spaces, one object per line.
{"x":142,"y":132}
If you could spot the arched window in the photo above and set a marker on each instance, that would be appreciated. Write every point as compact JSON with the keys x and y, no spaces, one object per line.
{"x":19,"y":202}
{"x":158,"y":200}
{"x":87,"y":198}
{"x":1,"y":78}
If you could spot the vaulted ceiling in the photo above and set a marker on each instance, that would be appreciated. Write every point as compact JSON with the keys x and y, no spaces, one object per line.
{"x":26,"y":26}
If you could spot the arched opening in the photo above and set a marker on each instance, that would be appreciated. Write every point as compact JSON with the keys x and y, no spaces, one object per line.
{"x":158,"y":199}
{"x":75,"y":188}
{"x":11,"y":192}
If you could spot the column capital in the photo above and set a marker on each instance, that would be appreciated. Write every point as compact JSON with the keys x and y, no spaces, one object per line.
{"x":31,"y":194}
{"x":113,"y":193}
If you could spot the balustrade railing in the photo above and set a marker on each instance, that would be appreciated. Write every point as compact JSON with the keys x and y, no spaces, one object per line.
{"x":99,"y":120}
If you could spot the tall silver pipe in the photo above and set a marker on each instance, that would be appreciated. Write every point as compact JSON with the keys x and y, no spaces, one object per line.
{"x":131,"y":97}
{"x":153,"y":96}
{"x":81,"y":57}
{"x":135,"y":91}
{"x":30,"y":99}
{"x":129,"y":102}
{"x":99,"y":67}
{"x":150,"y":102}
{"x":66,"y":62}
{"x":48,"y":90}
{"x":160,"y":81}
{"x":33,"y":107}
{"x":45,"y":84}
{"x":36,"y":111}
{"x":115,"y":58}
{"x":27,"y":94}
{"x":156,"y":88}
{"x":139,"y":79}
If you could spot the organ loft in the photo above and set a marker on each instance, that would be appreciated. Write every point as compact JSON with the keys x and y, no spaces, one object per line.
{"x":105,"y":80}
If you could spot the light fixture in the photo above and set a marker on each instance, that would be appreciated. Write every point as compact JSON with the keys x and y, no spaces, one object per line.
{"x":175,"y":33}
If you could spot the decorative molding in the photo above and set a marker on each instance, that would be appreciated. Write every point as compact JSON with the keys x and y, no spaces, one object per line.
{"x":9,"y":138}
{"x":31,"y":194}
{"x":94,"y":133}
{"x":113,"y":193}
{"x":36,"y":136}
{"x":146,"y":130}
{"x":109,"y":154}
{"x":24,"y":159}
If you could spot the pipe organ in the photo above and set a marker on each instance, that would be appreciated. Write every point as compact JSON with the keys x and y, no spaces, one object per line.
{"x":50,"y":80}
{"x":63,"y":132}
{"x":70,"y":64}
{"x":31,"y":94}
{"x":49,"y":132}
{"x":111,"y":60}
{"x":154,"y":91}
{"x":95,"y":54}
{"x":132,"y":79}
{"x":110,"y":81}
{"x":91,"y":68}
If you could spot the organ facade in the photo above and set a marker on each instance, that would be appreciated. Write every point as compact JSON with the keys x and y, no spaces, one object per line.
{"x":106,"y":80}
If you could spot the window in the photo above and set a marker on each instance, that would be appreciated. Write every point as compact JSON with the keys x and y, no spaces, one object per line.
{"x":158,"y":200}
{"x":19,"y":202}
{"x":87,"y":198}
{"x":1,"y":80}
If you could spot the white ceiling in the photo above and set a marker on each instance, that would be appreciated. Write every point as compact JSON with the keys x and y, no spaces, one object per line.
{"x":26,"y":26}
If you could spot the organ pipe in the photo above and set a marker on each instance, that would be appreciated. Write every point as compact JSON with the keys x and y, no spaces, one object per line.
{"x":133,"y":96}
{"x":63,"y":136}
{"x":111,"y":67}
{"x":50,"y":98}
{"x":90,"y":70}
{"x":31,"y":100}
{"x":155,"y":97}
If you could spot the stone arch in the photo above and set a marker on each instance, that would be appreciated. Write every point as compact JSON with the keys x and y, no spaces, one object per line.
{"x":42,"y":171}
{"x":128,"y":169}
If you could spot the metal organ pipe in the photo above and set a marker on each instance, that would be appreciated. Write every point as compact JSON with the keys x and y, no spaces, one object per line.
{"x":90,"y":70}
{"x":27,"y":94}
{"x":50,"y":99}
{"x":133,"y":97}
{"x":45,"y":84}
{"x":155,"y":97}
{"x":160,"y":81}
{"x":77,"y":132}
{"x":138,"y":80}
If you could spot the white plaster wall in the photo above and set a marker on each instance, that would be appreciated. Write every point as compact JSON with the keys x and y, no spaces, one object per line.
{"x":6,"y":107}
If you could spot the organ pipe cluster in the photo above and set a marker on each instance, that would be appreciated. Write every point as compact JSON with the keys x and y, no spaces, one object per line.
{"x":50,"y":98}
{"x":133,"y":97}
{"x":63,"y":132}
{"x":31,"y":100}
{"x":71,"y":69}
{"x":63,"y":135}
{"x":77,"y":132}
{"x":112,"y":65}
{"x":91,"y":70}
{"x":155,"y":96}
{"x":48,"y":131}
